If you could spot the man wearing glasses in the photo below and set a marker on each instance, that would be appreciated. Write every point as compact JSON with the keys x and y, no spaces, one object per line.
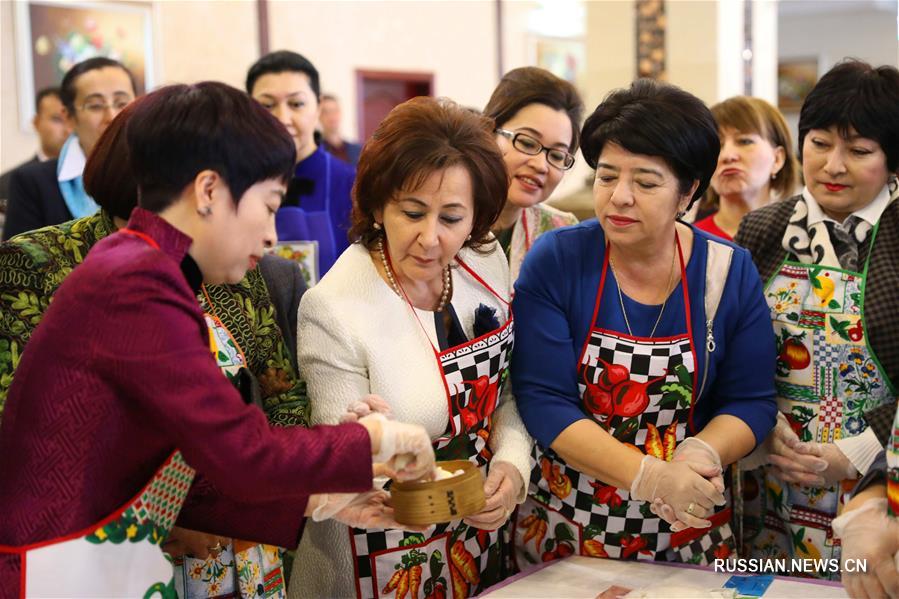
{"x":93,"y":92}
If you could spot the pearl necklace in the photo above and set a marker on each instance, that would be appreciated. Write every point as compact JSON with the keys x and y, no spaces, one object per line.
{"x":447,"y":280}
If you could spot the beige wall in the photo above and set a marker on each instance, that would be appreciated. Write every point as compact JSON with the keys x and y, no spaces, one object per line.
{"x":454,"y":40}
{"x":195,"y":41}
{"x":692,"y":47}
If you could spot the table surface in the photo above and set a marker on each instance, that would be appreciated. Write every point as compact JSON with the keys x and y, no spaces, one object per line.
{"x":586,"y":577}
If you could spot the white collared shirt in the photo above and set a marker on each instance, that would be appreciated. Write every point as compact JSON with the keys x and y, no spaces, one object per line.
{"x":73,"y":160}
{"x":870,"y":213}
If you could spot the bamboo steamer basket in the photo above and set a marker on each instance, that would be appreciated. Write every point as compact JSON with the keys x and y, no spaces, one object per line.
{"x":438,"y":501}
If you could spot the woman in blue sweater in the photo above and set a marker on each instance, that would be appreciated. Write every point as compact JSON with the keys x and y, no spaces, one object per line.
{"x":644,"y":359}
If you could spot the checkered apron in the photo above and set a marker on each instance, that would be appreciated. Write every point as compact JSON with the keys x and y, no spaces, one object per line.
{"x":451,"y":559}
{"x":827,"y":376}
{"x":242,"y":570}
{"x":570,"y":512}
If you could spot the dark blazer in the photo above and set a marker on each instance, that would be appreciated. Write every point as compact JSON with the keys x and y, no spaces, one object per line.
{"x":286,"y":286}
{"x":761,"y":232}
{"x":34,"y":199}
{"x":4,"y":178}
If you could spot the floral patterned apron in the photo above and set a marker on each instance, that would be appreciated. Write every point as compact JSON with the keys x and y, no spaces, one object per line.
{"x":243,"y":569}
{"x":640,"y":390}
{"x":827,"y":376}
{"x":119,"y":556}
{"x":451,"y":559}
{"x":893,"y":469}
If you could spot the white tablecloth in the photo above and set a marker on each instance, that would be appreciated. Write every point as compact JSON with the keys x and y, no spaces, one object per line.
{"x":586,"y":577}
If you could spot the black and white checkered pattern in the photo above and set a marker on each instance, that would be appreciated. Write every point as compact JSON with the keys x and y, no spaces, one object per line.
{"x":702,"y":551}
{"x":488,"y":357}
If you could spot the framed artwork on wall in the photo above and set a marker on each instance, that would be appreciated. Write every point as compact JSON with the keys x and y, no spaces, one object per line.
{"x":795,"y":79}
{"x":54,"y":35}
{"x":563,"y":57}
{"x":304,"y":253}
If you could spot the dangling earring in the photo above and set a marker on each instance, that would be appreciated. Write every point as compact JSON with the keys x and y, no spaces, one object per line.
{"x":468,"y":238}
{"x":773,"y":176}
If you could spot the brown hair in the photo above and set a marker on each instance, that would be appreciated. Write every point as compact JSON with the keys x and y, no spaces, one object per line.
{"x":531,"y":85}
{"x":419,"y":137}
{"x":107,"y":173}
{"x":754,"y":115}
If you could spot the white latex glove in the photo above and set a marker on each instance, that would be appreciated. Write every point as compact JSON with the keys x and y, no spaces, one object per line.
{"x":502,"y":488}
{"x":778,"y":449}
{"x":691,"y":449}
{"x":404,"y":448}
{"x":359,"y":510}
{"x":680,"y":485}
{"x":869,"y":533}
{"x":370,"y":404}
{"x":838,"y":465}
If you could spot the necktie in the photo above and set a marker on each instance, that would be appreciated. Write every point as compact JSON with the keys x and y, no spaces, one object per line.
{"x":845,"y":243}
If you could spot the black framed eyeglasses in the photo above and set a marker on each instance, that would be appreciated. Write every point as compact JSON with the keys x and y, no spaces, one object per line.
{"x":526,"y":144}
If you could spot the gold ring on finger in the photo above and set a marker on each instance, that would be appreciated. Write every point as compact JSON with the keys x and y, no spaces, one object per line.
{"x":690,"y":508}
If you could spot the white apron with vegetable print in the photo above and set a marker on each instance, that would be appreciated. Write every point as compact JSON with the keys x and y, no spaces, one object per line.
{"x":827,"y":376}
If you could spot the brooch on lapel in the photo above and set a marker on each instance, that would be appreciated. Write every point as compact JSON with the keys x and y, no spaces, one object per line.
{"x":485,"y":320}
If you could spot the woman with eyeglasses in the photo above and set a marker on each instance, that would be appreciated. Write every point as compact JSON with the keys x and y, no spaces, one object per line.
{"x":644,"y":361}
{"x":537,"y":119}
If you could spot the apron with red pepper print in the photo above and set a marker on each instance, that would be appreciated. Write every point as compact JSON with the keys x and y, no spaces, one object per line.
{"x":827,"y":376}
{"x":242,"y":570}
{"x":453,"y":559}
{"x":640,"y":390}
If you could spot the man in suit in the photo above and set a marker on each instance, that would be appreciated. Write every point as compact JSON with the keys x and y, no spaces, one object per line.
{"x":93,"y":92}
{"x":50,"y":125}
{"x":331,"y":139}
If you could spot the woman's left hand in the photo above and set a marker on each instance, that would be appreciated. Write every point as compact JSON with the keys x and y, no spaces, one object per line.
{"x":501,"y":489}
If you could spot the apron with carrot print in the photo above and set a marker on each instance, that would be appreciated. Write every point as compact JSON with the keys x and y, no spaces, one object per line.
{"x":827,"y":377}
{"x":451,"y":559}
{"x":640,"y":390}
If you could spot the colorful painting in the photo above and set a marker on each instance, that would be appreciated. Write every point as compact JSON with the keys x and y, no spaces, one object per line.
{"x":53,"y":36}
{"x":304,"y":253}
{"x":795,"y":79}
{"x":565,"y":58}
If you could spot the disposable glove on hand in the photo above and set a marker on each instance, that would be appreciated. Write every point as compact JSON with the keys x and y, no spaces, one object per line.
{"x":838,"y":465}
{"x":869,"y":533}
{"x":404,"y":448}
{"x":691,"y":449}
{"x":682,"y":485}
{"x":370,"y":404}
{"x":778,"y":449}
{"x":359,"y":510}
{"x":502,"y":488}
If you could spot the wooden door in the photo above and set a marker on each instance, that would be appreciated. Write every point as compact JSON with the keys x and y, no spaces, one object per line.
{"x":380,"y":91}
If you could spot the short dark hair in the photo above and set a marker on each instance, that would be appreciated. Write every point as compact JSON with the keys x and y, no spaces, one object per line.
{"x":854,"y":94}
{"x":419,"y":137}
{"x":657,"y":119}
{"x":47,"y":91}
{"x":532,"y":85}
{"x":107,"y":173}
{"x":67,"y":87}
{"x":179,"y":130}
{"x":280,"y":62}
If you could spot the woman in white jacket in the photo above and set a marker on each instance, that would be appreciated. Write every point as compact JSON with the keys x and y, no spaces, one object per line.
{"x":417,"y":312}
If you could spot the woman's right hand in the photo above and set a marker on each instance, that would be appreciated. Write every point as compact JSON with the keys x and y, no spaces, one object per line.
{"x":681,"y":485}
{"x":183,"y":542}
{"x":404,"y":450}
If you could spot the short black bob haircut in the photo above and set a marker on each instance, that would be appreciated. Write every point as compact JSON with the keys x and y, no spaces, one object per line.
{"x":284,"y":61}
{"x":657,"y":119}
{"x":67,"y":87}
{"x":179,"y":130}
{"x":855,"y":95}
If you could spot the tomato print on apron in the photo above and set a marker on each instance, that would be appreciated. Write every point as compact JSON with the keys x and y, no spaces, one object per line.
{"x":243,"y":569}
{"x":827,"y":377}
{"x":640,"y":390}
{"x":452,"y":559}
